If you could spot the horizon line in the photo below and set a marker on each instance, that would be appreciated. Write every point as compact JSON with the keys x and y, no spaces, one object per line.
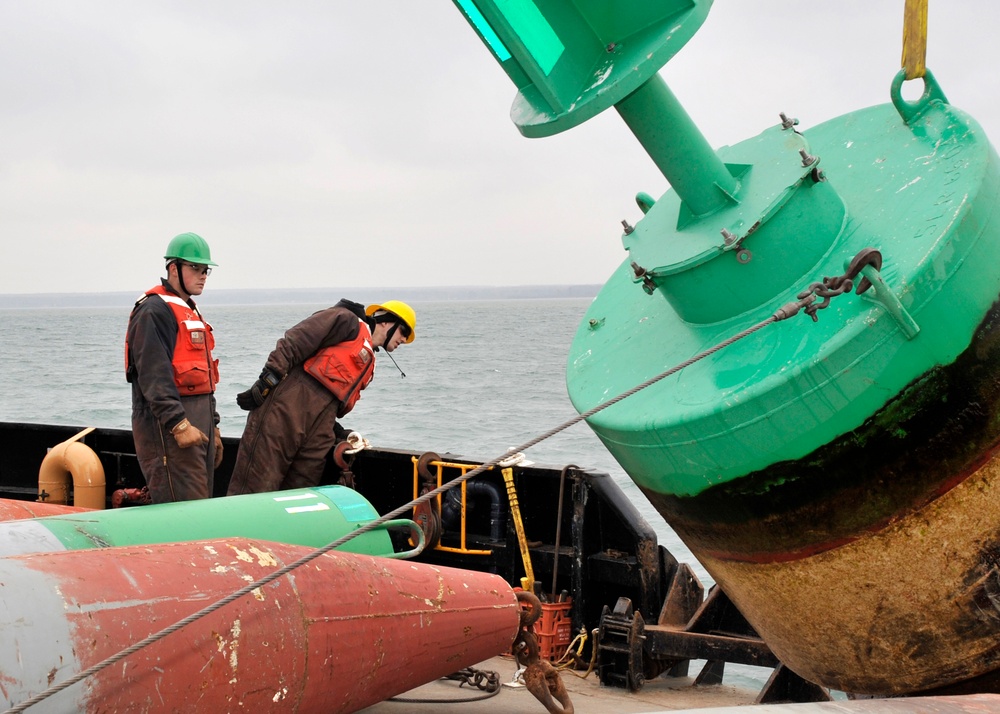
{"x":250,"y":296}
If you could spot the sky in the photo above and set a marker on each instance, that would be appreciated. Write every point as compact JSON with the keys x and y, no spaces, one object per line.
{"x":351,"y":143}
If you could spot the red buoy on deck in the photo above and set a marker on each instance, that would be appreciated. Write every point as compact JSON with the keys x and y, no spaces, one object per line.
{"x":337,"y":634}
{"x":13,"y":510}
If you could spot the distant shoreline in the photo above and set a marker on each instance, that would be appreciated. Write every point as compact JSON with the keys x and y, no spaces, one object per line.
{"x":292,"y":296}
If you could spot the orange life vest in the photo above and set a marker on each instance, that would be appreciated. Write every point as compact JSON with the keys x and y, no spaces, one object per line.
{"x":345,"y":368}
{"x":195,"y":371}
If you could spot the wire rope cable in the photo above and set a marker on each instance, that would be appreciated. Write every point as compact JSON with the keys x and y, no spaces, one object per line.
{"x":786,"y":311}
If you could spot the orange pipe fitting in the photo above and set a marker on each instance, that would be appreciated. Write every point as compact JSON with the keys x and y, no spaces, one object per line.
{"x":76,"y":461}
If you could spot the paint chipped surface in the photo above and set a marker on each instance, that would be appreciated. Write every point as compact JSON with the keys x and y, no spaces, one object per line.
{"x":235,"y":631}
{"x":241,"y":555}
{"x":264,"y":557}
{"x":276,"y":664}
{"x":35,"y":646}
{"x":602,"y":75}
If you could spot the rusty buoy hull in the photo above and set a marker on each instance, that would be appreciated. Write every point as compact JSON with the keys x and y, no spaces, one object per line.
{"x":892,"y":527}
{"x":919,"y":598}
{"x":338,"y":634}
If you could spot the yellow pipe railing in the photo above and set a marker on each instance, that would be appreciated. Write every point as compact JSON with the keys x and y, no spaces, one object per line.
{"x":463,"y":468}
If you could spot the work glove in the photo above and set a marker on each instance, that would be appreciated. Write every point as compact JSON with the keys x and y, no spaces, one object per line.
{"x":255,"y":396}
{"x":218,"y":448}
{"x":187,"y":435}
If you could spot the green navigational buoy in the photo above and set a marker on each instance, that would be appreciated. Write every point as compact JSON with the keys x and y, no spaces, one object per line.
{"x":838,"y":477}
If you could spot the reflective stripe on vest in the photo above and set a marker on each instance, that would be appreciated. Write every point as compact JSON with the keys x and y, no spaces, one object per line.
{"x":345,"y":368}
{"x":195,"y":371}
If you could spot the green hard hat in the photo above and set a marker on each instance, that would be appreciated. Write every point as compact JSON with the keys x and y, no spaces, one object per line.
{"x":190,"y":247}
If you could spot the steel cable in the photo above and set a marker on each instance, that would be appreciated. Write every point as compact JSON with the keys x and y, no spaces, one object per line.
{"x":784,"y":312}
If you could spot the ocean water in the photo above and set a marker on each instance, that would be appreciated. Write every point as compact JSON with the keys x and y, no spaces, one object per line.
{"x":481,"y":377}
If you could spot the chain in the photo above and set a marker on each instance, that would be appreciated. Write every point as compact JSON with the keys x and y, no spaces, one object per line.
{"x":832,"y":287}
{"x":486,"y":680}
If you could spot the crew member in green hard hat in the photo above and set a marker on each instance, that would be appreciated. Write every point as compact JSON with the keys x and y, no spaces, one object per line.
{"x":314,"y":376}
{"x":168,"y":361}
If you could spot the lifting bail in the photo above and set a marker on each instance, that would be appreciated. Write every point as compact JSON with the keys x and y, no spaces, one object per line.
{"x":74,"y":460}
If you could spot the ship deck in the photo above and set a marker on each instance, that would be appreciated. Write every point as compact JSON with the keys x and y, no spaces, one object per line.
{"x":588,"y":696}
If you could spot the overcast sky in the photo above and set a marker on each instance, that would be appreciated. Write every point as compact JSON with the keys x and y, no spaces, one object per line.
{"x":351,"y":143}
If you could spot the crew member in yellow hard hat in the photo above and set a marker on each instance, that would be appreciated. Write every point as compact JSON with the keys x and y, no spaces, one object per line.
{"x":168,"y":360}
{"x":314,"y":375}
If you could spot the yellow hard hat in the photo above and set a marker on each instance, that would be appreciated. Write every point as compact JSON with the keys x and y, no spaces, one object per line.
{"x":401,"y":310}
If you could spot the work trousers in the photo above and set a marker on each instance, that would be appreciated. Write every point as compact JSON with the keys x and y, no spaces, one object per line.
{"x":173,"y":473}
